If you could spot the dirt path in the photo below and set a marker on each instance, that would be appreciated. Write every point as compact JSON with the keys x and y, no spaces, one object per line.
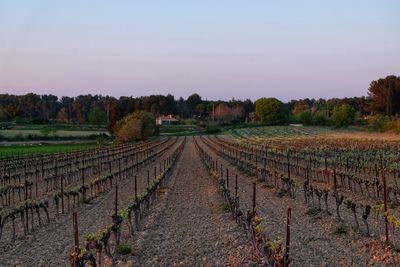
{"x":51,"y":244}
{"x":188,"y":227}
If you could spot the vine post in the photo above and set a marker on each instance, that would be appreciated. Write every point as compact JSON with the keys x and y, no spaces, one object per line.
{"x":76,"y":239}
{"x":227,"y":178}
{"x":62,"y":192}
{"x":136,"y":187}
{"x":148,"y":179}
{"x":236,"y":185}
{"x":26,"y":205}
{"x":116,"y":201}
{"x":36,"y":181}
{"x":287,"y":250}
{"x":254,"y":199}
{"x":83,"y":184}
{"x":385,"y":207}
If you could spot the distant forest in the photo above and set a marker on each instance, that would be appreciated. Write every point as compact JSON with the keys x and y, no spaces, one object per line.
{"x":383,"y":98}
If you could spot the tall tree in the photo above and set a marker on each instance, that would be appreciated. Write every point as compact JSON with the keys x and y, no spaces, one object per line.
{"x":385,"y":95}
{"x":271,"y":111}
{"x":192,"y":101}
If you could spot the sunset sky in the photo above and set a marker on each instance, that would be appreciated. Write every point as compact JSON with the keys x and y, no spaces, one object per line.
{"x":219,"y":49}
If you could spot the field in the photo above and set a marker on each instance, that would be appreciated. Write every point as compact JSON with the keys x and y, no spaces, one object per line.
{"x":179,"y":130}
{"x":50,"y":132}
{"x":42,"y":148}
{"x":282,"y":196}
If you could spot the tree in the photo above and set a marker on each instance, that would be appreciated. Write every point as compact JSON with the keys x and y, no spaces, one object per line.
{"x":192,"y":101}
{"x":237,"y":113}
{"x":343,"y":115}
{"x":300,"y":106}
{"x":97,"y":116}
{"x":138,"y":125}
{"x":385,"y":95}
{"x":320,"y":118}
{"x":201,"y":109}
{"x":306,"y":117}
{"x":62,"y":116}
{"x":222,"y":112}
{"x":271,"y":111}
{"x":114,"y":118}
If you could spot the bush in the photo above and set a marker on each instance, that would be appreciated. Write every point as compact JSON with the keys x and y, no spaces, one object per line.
{"x":272,"y":111}
{"x":394,"y":125}
{"x":306,"y":117}
{"x":213,"y":129}
{"x":377,"y":123}
{"x":97,"y":116}
{"x":343,"y":115}
{"x":320,"y":119}
{"x":138,"y":125}
{"x":124,"y":249}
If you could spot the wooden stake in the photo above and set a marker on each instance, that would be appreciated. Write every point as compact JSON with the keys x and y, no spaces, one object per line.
{"x":289,"y":218}
{"x":236,"y":185}
{"x":254,"y":199}
{"x":227,"y":178}
{"x":116,"y":201}
{"x":385,"y":207}
{"x":76,"y":237}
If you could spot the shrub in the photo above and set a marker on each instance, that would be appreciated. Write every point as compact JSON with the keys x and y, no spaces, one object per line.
{"x":225,"y":207}
{"x":138,"y":125}
{"x":343,"y":115}
{"x":97,"y":116}
{"x":271,"y":111}
{"x":377,"y":123}
{"x":320,"y":119}
{"x":306,"y":117}
{"x":213,"y":129}
{"x":124,"y":249}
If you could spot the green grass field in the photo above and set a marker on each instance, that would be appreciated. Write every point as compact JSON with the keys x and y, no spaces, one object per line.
{"x":61,"y":133}
{"x":29,"y":132}
{"x":40,"y":149}
{"x":179,"y":130}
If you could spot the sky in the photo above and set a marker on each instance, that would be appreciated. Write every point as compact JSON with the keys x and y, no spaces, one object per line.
{"x":218,"y":49}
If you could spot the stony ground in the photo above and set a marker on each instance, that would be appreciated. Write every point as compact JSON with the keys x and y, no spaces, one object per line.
{"x":189,"y":227}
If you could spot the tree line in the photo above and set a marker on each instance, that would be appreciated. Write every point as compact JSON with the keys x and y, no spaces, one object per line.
{"x":383,"y":99}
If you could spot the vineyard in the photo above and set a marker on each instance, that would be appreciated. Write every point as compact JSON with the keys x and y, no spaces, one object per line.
{"x":275,"y":196}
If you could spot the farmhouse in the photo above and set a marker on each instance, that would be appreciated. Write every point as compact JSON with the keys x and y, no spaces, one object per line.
{"x":169,"y":119}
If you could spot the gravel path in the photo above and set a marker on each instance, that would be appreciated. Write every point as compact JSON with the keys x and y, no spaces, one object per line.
{"x":188,"y":226}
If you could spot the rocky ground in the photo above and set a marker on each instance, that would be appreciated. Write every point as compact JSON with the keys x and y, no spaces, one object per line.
{"x":188,"y":226}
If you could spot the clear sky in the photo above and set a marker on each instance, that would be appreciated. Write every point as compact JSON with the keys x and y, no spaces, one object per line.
{"x":218,"y":48}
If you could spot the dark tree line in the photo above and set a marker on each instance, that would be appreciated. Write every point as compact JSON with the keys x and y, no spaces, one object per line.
{"x":383,"y":98}
{"x":49,"y":108}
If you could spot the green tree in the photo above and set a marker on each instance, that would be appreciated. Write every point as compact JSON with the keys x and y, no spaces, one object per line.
{"x":343,"y":115}
{"x":138,"y":125}
{"x":192,"y":101}
{"x":384,"y":95}
{"x":320,"y":118}
{"x":97,"y":116}
{"x":271,"y":111}
{"x":306,"y":117}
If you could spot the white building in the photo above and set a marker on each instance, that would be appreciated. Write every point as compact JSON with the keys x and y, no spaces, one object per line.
{"x":165,"y":120}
